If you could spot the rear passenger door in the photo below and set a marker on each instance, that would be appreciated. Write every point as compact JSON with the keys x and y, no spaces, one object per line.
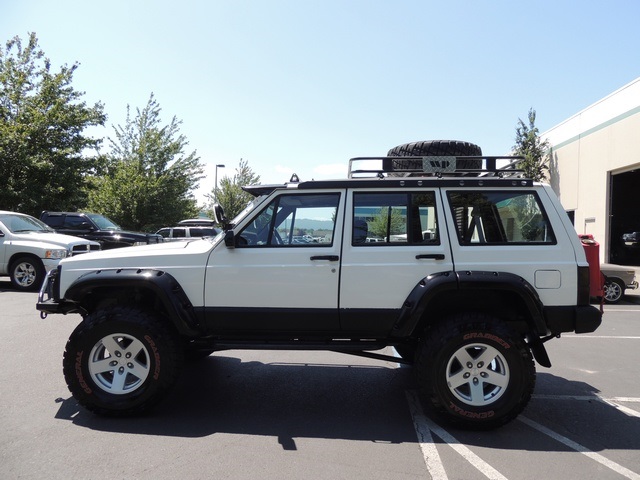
{"x":393,"y":240}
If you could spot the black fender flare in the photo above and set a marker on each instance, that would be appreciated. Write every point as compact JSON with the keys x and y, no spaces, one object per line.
{"x":164,"y":286}
{"x":433,"y":285}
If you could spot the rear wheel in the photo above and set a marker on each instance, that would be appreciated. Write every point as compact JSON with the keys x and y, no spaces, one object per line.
{"x":476,"y":372}
{"x":613,"y":290}
{"x":121,"y":361}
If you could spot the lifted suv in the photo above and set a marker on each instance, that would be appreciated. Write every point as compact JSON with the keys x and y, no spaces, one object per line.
{"x":472,"y":272}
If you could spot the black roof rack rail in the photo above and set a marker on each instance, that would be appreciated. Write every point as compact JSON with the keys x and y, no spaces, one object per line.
{"x":436,"y":166}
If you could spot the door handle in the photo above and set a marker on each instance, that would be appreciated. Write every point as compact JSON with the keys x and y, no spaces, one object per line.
{"x":331,"y":258}
{"x":433,"y":256}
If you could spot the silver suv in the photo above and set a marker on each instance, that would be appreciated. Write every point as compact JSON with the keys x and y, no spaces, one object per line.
{"x":472,"y":272}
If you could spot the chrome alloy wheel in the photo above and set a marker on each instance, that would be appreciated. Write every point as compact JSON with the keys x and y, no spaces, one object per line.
{"x":613,"y":291}
{"x":25,"y":274}
{"x":477,"y":374}
{"x":119,"y":363}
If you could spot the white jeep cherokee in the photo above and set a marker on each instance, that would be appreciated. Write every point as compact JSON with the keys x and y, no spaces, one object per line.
{"x":471,"y":272}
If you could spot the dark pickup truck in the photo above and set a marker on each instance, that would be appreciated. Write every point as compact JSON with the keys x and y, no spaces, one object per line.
{"x":96,"y":227}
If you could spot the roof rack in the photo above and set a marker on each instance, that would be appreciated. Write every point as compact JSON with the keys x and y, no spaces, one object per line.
{"x":436,"y":166}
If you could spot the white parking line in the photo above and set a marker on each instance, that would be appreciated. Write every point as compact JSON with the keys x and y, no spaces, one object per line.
{"x":429,"y":450}
{"x":625,"y":472}
{"x":424,"y":425}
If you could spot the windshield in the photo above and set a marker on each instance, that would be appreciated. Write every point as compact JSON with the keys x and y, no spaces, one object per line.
{"x":18,"y":223}
{"x":103,"y":222}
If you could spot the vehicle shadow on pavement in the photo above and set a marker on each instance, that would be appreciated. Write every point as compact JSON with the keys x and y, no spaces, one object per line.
{"x":225,"y":395}
{"x":222,"y":394}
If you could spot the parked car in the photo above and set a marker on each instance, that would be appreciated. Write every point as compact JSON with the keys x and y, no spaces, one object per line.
{"x":197,"y":222}
{"x":177,"y":233}
{"x":98,"y":228}
{"x":617,"y":280}
{"x":631,"y":239}
{"x":29,"y":249}
{"x":470,"y":308}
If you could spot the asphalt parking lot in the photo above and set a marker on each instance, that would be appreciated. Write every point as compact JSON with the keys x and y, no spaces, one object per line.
{"x":319,"y":415}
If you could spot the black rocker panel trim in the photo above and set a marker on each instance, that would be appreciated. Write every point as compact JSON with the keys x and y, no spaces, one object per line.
{"x":373,"y":323}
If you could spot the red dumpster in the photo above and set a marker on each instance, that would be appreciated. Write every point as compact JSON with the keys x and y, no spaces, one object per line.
{"x":592,"y":251}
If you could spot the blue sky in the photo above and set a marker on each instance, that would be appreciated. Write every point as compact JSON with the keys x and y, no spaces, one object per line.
{"x":302,"y":86}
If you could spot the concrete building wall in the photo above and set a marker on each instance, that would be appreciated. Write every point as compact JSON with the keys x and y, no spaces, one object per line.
{"x":600,"y":141}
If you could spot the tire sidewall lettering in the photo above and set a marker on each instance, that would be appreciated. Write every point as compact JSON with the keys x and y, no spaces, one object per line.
{"x":80,"y":375}
{"x":486,"y":336}
{"x":156,"y":356}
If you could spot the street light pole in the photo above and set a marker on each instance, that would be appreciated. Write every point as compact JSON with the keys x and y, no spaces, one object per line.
{"x":215,"y":187}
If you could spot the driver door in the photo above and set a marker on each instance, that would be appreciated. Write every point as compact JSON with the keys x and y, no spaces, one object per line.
{"x":282,"y":272}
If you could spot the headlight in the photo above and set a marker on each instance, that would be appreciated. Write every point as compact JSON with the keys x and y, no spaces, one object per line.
{"x":56,"y":254}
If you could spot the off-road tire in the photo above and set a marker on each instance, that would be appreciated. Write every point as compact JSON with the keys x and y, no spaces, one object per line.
{"x":133,"y":341}
{"x":490,"y":387}
{"x":27,"y":273}
{"x":431,"y":148}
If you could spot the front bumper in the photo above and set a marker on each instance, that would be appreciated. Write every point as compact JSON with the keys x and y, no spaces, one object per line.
{"x":49,"y":296}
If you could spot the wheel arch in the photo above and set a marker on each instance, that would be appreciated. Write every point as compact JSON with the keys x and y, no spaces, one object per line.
{"x":18,"y":255}
{"x":153,"y":289}
{"x":504,"y":295}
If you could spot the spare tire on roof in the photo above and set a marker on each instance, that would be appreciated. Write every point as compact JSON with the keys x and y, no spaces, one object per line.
{"x":429,"y":148}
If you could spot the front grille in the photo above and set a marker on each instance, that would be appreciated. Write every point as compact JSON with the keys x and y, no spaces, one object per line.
{"x":78,"y":249}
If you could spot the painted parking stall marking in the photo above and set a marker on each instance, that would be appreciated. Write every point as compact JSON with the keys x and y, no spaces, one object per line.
{"x":424,"y":427}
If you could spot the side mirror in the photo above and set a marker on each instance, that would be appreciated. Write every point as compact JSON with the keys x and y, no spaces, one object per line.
{"x":219,"y":217}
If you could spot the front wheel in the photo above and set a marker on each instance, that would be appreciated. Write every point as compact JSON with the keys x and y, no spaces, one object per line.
{"x":476,"y":372}
{"x":121,"y":361}
{"x":27,"y":273}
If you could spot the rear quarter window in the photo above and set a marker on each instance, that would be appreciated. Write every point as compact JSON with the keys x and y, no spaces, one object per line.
{"x":499,"y":218}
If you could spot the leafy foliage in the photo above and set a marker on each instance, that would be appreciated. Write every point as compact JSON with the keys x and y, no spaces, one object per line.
{"x":535,"y":151}
{"x":230,"y":194}
{"x":42,"y":148}
{"x":388,"y":221}
{"x":147,"y":181}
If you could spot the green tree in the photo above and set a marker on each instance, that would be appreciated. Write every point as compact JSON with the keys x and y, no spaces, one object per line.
{"x":148,"y":180}
{"x":532,"y":148}
{"x":388,"y":221}
{"x":230,"y":194}
{"x":43,"y":160}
